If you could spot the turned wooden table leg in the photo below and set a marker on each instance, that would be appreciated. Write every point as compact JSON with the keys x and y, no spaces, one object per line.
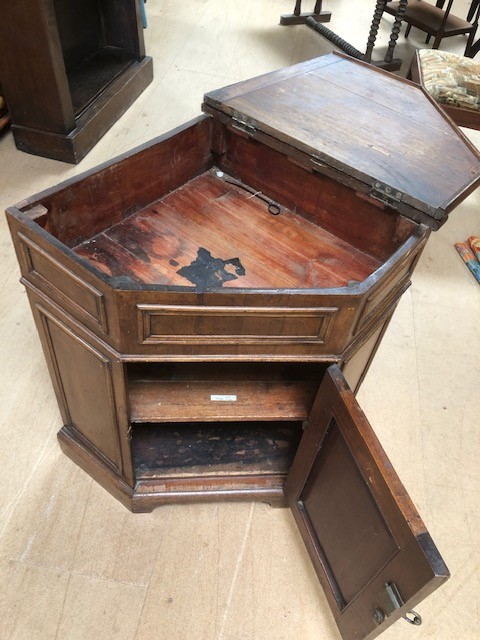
{"x":392,"y":63}
{"x":372,"y":36}
{"x":297,"y":17}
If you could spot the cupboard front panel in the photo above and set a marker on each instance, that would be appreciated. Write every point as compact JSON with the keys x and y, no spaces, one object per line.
{"x":83,"y":380}
{"x":159,"y":324}
{"x":64,"y":286}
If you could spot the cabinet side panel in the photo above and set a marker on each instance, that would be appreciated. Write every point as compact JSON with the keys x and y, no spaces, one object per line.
{"x":32,"y":67}
{"x":356,"y":367}
{"x":85,"y":206}
{"x":83,"y":382}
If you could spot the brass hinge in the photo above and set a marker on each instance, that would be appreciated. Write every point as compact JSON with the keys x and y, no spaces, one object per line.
{"x":242,"y":124}
{"x":388,"y":195}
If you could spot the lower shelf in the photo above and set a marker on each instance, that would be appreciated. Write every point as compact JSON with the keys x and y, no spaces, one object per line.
{"x":192,"y":449}
{"x":88,"y":79}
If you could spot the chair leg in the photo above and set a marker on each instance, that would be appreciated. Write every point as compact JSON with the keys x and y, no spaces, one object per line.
{"x":427,"y":39}
{"x":469,"y":47}
{"x":407,"y":30}
{"x":438,"y":39}
{"x":473,"y":8}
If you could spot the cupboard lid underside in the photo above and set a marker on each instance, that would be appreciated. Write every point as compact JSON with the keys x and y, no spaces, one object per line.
{"x":366,"y":125}
{"x":358,"y":523}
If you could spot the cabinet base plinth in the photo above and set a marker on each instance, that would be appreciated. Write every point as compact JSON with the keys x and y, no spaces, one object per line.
{"x":149,"y":494}
{"x":72,"y":147}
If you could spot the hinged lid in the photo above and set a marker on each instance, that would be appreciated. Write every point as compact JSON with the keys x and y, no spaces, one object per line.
{"x":371,"y":130}
{"x":370,"y":549}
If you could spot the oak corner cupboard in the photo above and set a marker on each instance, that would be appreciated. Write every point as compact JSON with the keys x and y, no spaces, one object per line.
{"x":70,"y":70}
{"x":222,"y":291}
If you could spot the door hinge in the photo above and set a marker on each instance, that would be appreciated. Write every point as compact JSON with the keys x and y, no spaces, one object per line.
{"x":388,"y":601}
{"x":388,"y":195}
{"x":242,"y":124}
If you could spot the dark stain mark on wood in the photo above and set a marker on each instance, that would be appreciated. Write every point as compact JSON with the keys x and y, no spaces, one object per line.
{"x":206,"y":271}
{"x":286,"y":251}
{"x":214,"y":448}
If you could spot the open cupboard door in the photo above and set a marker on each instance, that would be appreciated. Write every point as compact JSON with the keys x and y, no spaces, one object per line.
{"x":370,"y":549}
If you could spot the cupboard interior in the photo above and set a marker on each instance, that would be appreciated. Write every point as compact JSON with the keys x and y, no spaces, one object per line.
{"x":218,"y":418}
{"x":191,"y":449}
{"x":96,"y":49}
{"x":205,"y":191}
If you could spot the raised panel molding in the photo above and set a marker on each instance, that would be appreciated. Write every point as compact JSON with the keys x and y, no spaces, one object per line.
{"x":198,"y":324}
{"x":89,"y":402}
{"x":54,"y":278}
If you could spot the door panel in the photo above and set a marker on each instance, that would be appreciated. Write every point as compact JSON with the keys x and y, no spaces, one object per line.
{"x":82,"y":377}
{"x":368,"y":544}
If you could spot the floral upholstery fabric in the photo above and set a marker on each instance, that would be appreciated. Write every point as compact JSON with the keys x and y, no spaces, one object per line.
{"x":451,"y":79}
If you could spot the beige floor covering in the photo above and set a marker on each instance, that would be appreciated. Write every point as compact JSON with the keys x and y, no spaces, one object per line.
{"x":75,"y":564}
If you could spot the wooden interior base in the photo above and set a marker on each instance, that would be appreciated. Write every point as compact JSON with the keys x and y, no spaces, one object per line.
{"x":151,"y":493}
{"x":207,"y":449}
{"x":212,"y":232}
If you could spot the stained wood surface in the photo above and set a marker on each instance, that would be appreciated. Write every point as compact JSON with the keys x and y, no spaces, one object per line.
{"x":366,"y":123}
{"x":233,"y":557}
{"x":357,"y":521}
{"x":212,"y":215}
{"x":179,"y":393}
{"x":132,"y":181}
{"x":89,"y":78}
{"x":51,"y":84}
{"x":154,"y":401}
{"x":322,"y":199}
{"x":430,"y":18}
{"x":192,"y":449}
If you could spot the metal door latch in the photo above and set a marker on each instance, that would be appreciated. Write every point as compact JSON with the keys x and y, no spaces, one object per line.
{"x":389,"y":600}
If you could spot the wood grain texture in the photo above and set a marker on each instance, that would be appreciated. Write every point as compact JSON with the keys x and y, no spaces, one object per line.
{"x":70,"y":73}
{"x":357,"y":521}
{"x":70,"y":548}
{"x":327,"y":113}
{"x":222,"y":392}
{"x":214,"y":449}
{"x":210,"y":213}
{"x":126,"y":184}
{"x":340,"y":209}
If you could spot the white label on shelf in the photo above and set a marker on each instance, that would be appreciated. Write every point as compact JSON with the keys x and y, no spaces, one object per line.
{"x":219,"y":398}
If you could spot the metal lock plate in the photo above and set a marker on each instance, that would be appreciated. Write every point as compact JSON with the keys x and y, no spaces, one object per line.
{"x":390,"y":600}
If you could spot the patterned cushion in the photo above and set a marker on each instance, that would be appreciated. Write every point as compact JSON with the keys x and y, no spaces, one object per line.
{"x":451,"y":79}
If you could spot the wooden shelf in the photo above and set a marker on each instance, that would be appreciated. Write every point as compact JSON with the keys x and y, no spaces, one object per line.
{"x":94,"y":74}
{"x":224,"y":392}
{"x":167,"y":401}
{"x":206,"y":449}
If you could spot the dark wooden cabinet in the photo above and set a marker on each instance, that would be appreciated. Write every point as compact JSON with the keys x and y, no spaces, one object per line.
{"x":69,"y":71}
{"x":207,"y":301}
